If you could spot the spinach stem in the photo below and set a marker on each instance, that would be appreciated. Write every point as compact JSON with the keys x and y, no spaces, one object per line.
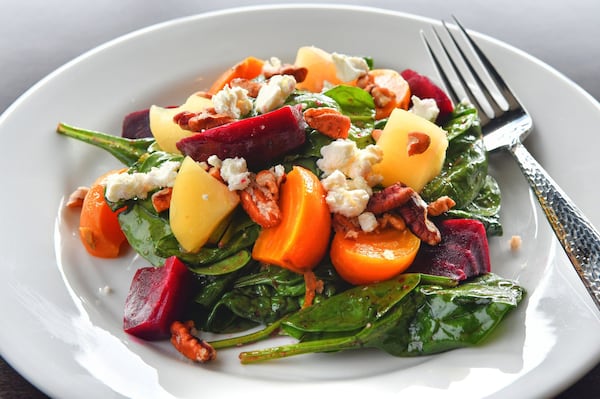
{"x":248,"y":338}
{"x":128,"y":151}
{"x":279,"y":352}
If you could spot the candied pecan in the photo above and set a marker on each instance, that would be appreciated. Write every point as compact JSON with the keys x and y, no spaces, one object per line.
{"x":199,"y":121}
{"x":204,"y":94}
{"x":389,"y":198}
{"x":299,"y":73}
{"x":259,"y":199}
{"x":188,"y":345}
{"x":250,"y":86}
{"x":440,"y":205}
{"x":391,"y":219}
{"x":382,"y":96}
{"x":348,"y":226}
{"x":414,"y":213}
{"x":161,"y":200}
{"x":418,"y":143}
{"x":376,"y":134}
{"x":76,"y":198}
{"x":328,"y":121}
{"x":313,"y":286}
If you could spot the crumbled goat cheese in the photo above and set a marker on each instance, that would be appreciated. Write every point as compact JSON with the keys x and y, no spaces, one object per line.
{"x":367,"y":221}
{"x":344,"y":155}
{"x":124,"y":186}
{"x":234,"y":172}
{"x":342,"y":198}
{"x":274,"y":93}
{"x":214,"y":160}
{"x":232,"y":101}
{"x":278,"y":171}
{"x":349,"y":68}
{"x":272,"y":65}
{"x":426,"y":108}
{"x":348,"y":177}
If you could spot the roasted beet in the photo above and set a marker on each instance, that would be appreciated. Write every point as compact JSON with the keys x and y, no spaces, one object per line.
{"x":136,"y":125}
{"x":462,"y":253}
{"x":156,"y":298}
{"x":259,"y":139}
{"x":422,"y":87}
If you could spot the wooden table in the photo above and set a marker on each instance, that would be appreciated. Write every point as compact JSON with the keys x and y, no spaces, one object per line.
{"x":37,"y":36}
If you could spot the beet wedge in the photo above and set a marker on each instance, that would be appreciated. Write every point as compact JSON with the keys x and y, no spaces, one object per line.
{"x":136,"y":125}
{"x":422,"y":87}
{"x":156,"y":298}
{"x":259,"y":139}
{"x":463,"y":252}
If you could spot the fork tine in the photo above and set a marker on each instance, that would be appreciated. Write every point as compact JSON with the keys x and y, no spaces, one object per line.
{"x":493,"y":103}
{"x":507,"y":93}
{"x":456,"y":70}
{"x":438,"y":66}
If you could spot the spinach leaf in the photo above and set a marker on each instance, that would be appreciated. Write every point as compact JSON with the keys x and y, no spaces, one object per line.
{"x":466,"y":164}
{"x":461,"y":316}
{"x":358,"y":105}
{"x":464,"y":176}
{"x":413,"y":318}
{"x":485,"y":208}
{"x":143,"y":227}
{"x":265,"y":295}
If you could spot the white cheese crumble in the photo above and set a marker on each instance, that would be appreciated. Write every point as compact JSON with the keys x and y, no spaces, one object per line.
{"x":367,"y":221}
{"x":234,"y":172}
{"x":124,"y":186}
{"x":273,"y":94}
{"x":343,"y":197}
{"x":426,"y":108}
{"x":348,"y":177}
{"x":348,"y":68}
{"x":232,"y":101}
{"x":345,"y":156}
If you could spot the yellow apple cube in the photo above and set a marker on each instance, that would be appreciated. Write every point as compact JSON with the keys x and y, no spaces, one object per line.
{"x":165,"y":131}
{"x":199,"y":203}
{"x":400,"y":163}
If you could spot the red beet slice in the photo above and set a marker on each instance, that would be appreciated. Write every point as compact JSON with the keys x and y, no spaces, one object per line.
{"x":463,"y":252}
{"x":136,"y":125}
{"x":155,"y":299}
{"x":259,"y":139}
{"x":422,"y":87}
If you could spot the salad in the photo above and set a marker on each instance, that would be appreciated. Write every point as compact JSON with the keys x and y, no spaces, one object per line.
{"x":329,"y":200}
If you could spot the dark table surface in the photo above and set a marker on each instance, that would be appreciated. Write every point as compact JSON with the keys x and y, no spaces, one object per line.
{"x":37,"y":36}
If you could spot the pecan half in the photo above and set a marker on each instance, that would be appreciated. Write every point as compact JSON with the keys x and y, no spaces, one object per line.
{"x":408,"y":204}
{"x":414,"y":213}
{"x":328,"y":121}
{"x":188,"y":345}
{"x":299,"y":73}
{"x":259,"y":199}
{"x":161,"y":200}
{"x":199,"y":121}
{"x":76,"y":198}
{"x":418,"y":143}
{"x":389,"y":198}
{"x":250,"y":86}
{"x":345,"y":225}
{"x":440,"y":205}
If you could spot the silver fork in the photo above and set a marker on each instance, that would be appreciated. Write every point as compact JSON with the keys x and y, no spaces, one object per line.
{"x":505,"y":129}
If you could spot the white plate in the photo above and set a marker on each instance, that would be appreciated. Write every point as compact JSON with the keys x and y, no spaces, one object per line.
{"x":62,"y":333}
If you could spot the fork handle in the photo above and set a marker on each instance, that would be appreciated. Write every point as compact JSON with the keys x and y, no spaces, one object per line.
{"x":580,"y":240}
